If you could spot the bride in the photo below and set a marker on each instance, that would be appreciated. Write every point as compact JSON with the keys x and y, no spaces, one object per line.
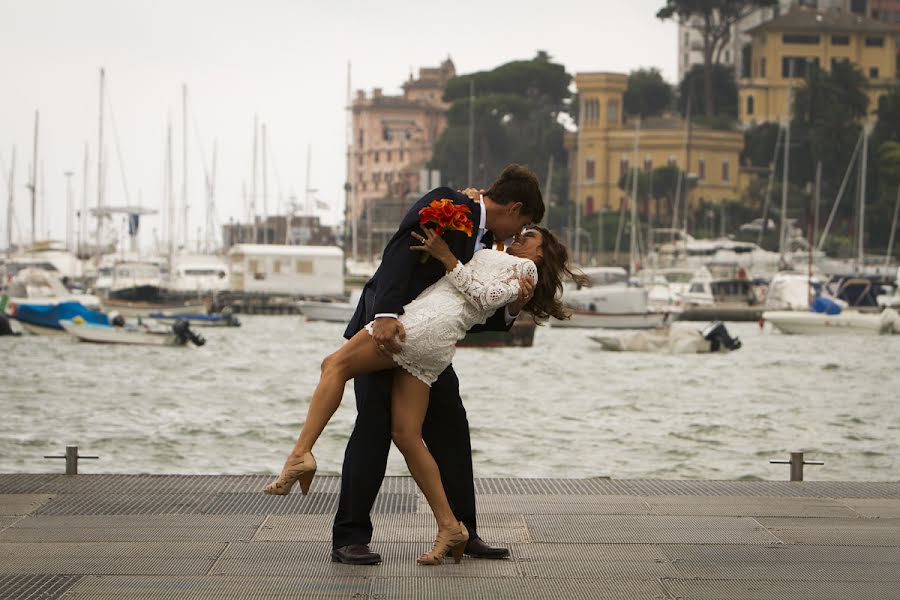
{"x":439,"y":317}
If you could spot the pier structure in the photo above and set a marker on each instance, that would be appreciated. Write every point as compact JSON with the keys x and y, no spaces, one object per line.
{"x":218,"y":537}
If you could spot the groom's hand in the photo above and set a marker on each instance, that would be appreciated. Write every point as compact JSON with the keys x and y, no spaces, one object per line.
{"x":387,"y":333}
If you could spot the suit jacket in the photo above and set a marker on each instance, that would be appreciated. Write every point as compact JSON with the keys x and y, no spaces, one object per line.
{"x":402,"y":276}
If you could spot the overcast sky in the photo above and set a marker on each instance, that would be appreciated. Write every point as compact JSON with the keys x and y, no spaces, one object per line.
{"x":283,"y":60}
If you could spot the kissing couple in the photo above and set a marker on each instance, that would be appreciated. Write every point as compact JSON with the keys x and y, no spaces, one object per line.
{"x":440,"y":277}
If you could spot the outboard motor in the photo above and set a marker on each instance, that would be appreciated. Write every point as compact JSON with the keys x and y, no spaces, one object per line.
{"x":229,"y":317}
{"x":5,"y":327}
{"x":183,"y":332}
{"x":716,"y":334}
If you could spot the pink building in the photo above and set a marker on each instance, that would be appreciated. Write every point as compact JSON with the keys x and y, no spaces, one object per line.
{"x":394,"y":137}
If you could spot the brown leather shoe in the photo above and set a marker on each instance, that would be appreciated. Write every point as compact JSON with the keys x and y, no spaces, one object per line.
{"x":355,"y":554}
{"x":476,"y":548}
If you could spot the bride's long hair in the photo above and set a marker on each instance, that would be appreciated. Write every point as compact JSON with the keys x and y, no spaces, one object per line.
{"x":553,"y":269}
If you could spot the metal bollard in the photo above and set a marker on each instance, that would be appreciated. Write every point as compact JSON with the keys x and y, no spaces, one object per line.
{"x":72,"y":457}
{"x":796,"y":463}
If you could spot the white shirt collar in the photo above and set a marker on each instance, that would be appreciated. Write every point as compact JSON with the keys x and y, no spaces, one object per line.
{"x":483,"y":219}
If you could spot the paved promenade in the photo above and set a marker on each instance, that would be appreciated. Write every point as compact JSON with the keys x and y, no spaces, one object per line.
{"x":217,"y":537}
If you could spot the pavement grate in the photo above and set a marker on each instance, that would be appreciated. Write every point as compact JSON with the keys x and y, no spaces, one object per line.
{"x":98,"y":504}
{"x":714,"y":589}
{"x":117,"y":587}
{"x":838,"y":532}
{"x":21,"y":504}
{"x":442,"y":587}
{"x":314,"y":503}
{"x":34,"y":587}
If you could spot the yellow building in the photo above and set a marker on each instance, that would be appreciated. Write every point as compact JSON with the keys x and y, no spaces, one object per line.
{"x":603,"y":148}
{"x":788,"y":45}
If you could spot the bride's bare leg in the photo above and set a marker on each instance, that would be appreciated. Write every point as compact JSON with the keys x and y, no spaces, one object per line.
{"x":358,"y":355}
{"x":409,"y":402}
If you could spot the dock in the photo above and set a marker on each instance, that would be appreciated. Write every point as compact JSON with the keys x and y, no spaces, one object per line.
{"x":218,"y":537}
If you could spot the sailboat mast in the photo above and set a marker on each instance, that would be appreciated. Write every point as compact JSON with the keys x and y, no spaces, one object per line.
{"x":265,"y":186}
{"x":785,"y":177}
{"x":100,"y":157}
{"x":184,"y":165}
{"x":11,"y":203}
{"x":170,"y":194}
{"x":82,"y":230}
{"x":861,"y":221}
{"x":632,"y":261}
{"x":308,"y":196}
{"x":211,"y":201}
{"x":253,"y":178}
{"x":33,"y":185}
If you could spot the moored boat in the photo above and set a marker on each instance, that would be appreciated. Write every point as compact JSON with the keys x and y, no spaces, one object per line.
{"x":44,"y":319}
{"x":848,"y":322}
{"x":178,"y":335}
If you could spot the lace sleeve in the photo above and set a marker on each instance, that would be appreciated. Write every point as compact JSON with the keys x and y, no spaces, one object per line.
{"x":495,"y":292}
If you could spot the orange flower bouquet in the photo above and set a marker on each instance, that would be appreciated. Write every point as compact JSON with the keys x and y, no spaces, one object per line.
{"x":446,"y":216}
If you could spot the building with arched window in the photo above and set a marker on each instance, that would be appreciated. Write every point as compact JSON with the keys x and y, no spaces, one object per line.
{"x":602,"y":151}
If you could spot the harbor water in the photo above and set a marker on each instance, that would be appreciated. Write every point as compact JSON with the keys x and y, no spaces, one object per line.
{"x":563,"y":408}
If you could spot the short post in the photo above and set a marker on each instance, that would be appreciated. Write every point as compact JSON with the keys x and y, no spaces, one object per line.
{"x":72,"y":457}
{"x":796,"y":463}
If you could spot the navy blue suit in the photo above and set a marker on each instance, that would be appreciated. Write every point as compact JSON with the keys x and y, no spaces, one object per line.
{"x":401,"y":278}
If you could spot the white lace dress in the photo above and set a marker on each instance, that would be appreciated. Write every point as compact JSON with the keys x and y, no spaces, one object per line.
{"x":442,"y":314}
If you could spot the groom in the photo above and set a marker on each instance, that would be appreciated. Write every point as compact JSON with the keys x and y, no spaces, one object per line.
{"x":512,"y":202}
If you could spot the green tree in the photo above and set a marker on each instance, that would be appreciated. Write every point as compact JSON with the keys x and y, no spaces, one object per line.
{"x":724,"y":89}
{"x":759,"y":145}
{"x":714,"y":20}
{"x":647,"y":93}
{"x":516,"y":108}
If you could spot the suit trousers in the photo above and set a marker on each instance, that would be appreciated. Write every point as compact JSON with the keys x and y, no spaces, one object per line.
{"x":445,"y":431}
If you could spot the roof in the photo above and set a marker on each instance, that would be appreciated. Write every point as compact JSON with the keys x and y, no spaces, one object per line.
{"x":832,"y":21}
{"x":282,"y":250}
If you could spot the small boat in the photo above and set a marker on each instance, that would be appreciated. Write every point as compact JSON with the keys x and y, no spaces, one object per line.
{"x":137,"y":291}
{"x":610,"y":302}
{"x":44,"y":319}
{"x":847,"y":322}
{"x":177,"y":335}
{"x":332,"y":312}
{"x":223,"y":319}
{"x":521,"y":334}
{"x":721,"y":292}
{"x":33,"y":285}
{"x":678,"y":338}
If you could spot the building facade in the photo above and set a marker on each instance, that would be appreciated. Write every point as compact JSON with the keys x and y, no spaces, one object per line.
{"x":603,"y":149}
{"x":783,"y":49}
{"x":394,"y":137}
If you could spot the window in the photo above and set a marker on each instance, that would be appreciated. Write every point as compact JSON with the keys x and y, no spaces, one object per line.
{"x":400,"y":154}
{"x":750,"y":105}
{"x":873,"y":72}
{"x":701,"y":169}
{"x":648,"y":164}
{"x":388,"y":159}
{"x":276,"y":266}
{"x":589,"y":205}
{"x":687,"y":38}
{"x":838,"y":60}
{"x":589,"y":169}
{"x":303,"y":266}
{"x":377,"y":155}
{"x":840,"y":40}
{"x":858,"y":6}
{"x":361,"y":159}
{"x":762,"y":67}
{"x":612,"y":111}
{"x":797,"y":66}
{"x":794,"y":38}
{"x":623,"y":166}
{"x":360,"y":137}
{"x":253,"y":266}
{"x":687,"y":60}
{"x":388,"y":178}
{"x":386,"y":134}
{"x":726,"y":171}
{"x":875,"y":41}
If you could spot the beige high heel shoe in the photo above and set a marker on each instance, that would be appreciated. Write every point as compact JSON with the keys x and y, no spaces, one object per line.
{"x":302,"y":470}
{"x":453,"y":540}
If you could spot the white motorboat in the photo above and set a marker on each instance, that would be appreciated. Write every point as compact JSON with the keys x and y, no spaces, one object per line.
{"x":721,"y":292}
{"x":848,"y":322}
{"x":332,"y":312}
{"x":791,"y":290}
{"x":142,"y":335}
{"x":199,"y":274}
{"x":678,"y":338}
{"x":610,"y":303}
{"x":137,"y":291}
{"x":39,"y":286}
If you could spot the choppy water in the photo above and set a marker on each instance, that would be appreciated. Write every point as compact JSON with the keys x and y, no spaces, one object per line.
{"x":563,"y":408}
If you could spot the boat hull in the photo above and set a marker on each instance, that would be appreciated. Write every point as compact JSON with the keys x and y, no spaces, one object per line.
{"x":101,"y":334}
{"x":144,"y":309}
{"x":846,"y":323}
{"x":332,"y":312}
{"x":721,"y":312}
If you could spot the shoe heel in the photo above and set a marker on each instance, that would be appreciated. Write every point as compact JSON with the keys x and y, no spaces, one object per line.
{"x":458,"y":551}
{"x":305,"y":481}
